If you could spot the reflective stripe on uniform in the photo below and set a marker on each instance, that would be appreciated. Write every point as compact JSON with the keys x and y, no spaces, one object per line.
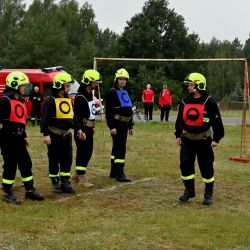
{"x":189,"y":177}
{"x":27,"y":179}
{"x":119,"y":160}
{"x":81,"y":168}
{"x":8,"y":181}
{"x":53,"y":175}
{"x":208,"y":180}
{"x":112,"y":157}
{"x":64,"y":174}
{"x":205,"y":119}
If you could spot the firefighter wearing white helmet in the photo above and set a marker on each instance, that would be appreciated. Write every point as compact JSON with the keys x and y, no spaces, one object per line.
{"x":84,"y":118}
{"x":119,"y":120}
{"x":13,"y":138}
{"x":197,"y":114}
{"x":56,"y":122}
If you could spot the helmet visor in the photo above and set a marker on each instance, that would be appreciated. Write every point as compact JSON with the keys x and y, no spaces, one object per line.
{"x":187,"y":82}
{"x":98,"y":81}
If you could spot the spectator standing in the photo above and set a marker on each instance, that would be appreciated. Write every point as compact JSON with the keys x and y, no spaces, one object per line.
{"x":148,"y":101}
{"x":165,"y":102}
{"x":36,"y":99}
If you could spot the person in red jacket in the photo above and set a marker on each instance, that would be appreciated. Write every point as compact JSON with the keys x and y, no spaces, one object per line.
{"x":198,"y":129}
{"x":148,"y":101}
{"x":165,"y":102}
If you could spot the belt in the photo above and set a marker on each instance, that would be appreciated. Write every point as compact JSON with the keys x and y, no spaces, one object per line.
{"x":58,"y":131}
{"x":89,"y":123}
{"x":196,"y":137}
{"x":122,"y":118}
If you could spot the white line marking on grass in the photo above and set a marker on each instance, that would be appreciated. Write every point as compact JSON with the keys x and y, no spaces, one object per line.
{"x":106,"y":189}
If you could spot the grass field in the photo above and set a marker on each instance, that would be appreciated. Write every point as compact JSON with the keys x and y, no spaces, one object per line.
{"x":144,"y":214}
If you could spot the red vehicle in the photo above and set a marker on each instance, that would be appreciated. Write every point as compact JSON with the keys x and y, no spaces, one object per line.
{"x":43,"y":78}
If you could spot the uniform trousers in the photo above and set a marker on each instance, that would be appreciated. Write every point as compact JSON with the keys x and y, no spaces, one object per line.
{"x":60,"y":155}
{"x":15,"y":154}
{"x":205,"y":156}
{"x":84,"y":150}
{"x":119,"y":145}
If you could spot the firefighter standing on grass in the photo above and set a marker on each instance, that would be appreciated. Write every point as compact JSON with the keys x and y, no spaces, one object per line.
{"x":119,"y":120}
{"x":56,"y":122}
{"x":197,"y":114}
{"x":84,"y":117}
{"x":13,"y":139}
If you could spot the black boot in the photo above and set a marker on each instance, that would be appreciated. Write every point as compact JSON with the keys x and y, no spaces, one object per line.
{"x":9,"y":197}
{"x":66,"y":185}
{"x":121,"y":177}
{"x":113,"y":171}
{"x":189,"y":191}
{"x":32,"y":194}
{"x":56,"y":186}
{"x":208,"y":195}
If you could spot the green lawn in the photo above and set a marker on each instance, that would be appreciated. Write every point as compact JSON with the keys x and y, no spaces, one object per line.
{"x":144,"y":214}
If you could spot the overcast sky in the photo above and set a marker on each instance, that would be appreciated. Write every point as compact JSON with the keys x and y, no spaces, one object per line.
{"x":222,"y":19}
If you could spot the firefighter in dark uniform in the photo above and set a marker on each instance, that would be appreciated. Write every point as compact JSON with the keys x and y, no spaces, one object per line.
{"x":36,"y":99}
{"x":84,"y":117}
{"x":119,"y":120}
{"x":198,"y":113}
{"x":56,"y":122}
{"x":13,"y":139}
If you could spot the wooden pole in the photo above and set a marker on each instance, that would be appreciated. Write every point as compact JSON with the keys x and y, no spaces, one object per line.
{"x":101,"y":109}
{"x":243,"y":149}
{"x":246,"y":106}
{"x":168,"y":60}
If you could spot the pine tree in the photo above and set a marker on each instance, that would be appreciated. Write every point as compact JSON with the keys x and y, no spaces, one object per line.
{"x":237,"y":93}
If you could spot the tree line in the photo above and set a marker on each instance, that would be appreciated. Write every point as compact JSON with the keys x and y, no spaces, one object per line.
{"x":49,"y":33}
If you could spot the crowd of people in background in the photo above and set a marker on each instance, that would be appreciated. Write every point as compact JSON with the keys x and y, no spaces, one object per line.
{"x":197,"y":114}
